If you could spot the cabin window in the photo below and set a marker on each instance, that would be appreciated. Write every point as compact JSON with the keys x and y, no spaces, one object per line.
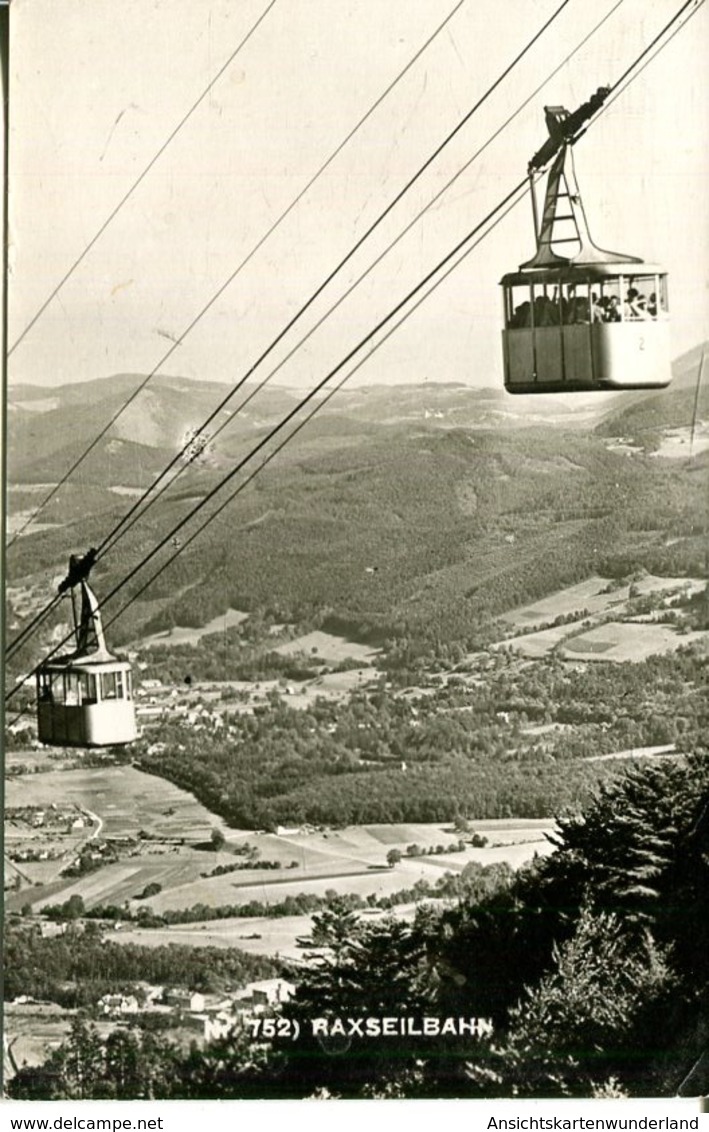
{"x":87,"y":685}
{"x":614,"y":298}
{"x":129,"y":685}
{"x":71,"y":689}
{"x":518,"y":307}
{"x":661,"y":291}
{"x":644,"y":297}
{"x":548,"y":305}
{"x":56,"y":692}
{"x":575,"y":304}
{"x":112,"y":686}
{"x":44,"y":687}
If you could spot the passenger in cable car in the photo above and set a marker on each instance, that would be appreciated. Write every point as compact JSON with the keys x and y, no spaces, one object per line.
{"x":521,"y":316}
{"x":631,"y":306}
{"x":546,"y":312}
{"x":597,"y":313}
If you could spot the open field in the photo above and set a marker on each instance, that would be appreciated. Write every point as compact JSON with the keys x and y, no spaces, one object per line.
{"x":665,"y":751}
{"x":352,"y":859}
{"x":356,"y":863}
{"x":184,"y":636}
{"x":585,"y":638}
{"x":537,"y":645}
{"x":678,"y":443}
{"x":127,"y":800}
{"x":327,"y":647}
{"x":331,"y":686}
{"x":257,"y":935}
{"x":627,"y":641}
{"x":589,"y":595}
{"x":33,"y":1030}
{"x":616,"y":641}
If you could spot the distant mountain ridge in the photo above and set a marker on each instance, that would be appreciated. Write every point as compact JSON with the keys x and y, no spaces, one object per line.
{"x":416,"y":508}
{"x":48,"y":427}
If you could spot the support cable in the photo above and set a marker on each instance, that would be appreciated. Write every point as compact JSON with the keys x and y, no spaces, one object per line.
{"x":216,"y":295}
{"x":134,"y":512}
{"x":141,"y":177}
{"x":230,"y":279}
{"x":392,"y":314}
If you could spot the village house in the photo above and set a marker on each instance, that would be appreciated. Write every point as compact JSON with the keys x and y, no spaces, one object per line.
{"x":117,"y":1005}
{"x":190,"y":1001}
{"x":266,"y":993}
{"x":48,"y":929}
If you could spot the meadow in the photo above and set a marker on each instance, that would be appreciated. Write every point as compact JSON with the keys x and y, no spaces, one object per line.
{"x":176,"y":853}
{"x":126,"y":799}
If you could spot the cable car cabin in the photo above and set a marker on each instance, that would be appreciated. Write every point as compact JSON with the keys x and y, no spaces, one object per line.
{"x":589,"y":320}
{"x":589,"y":327}
{"x":82,"y":702}
{"x":85,"y":699}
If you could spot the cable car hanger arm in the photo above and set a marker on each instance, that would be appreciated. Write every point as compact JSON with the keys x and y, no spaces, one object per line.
{"x":565,"y":128}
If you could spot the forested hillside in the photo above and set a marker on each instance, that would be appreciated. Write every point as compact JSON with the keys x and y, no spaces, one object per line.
{"x":424,"y":532}
{"x":468,"y":747}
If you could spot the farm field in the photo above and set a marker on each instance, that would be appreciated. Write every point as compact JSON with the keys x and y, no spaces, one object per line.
{"x":32,"y":1031}
{"x":616,"y":641}
{"x":126,"y":799}
{"x":328,"y":648}
{"x":331,"y":686}
{"x":589,"y":595}
{"x":536,"y":645}
{"x":353,"y":860}
{"x":345,"y":860}
{"x":258,"y":935}
{"x":180,"y":635}
{"x":627,"y":641}
{"x":355,"y":864}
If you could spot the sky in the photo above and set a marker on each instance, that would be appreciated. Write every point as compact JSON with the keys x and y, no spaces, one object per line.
{"x":96,"y":88}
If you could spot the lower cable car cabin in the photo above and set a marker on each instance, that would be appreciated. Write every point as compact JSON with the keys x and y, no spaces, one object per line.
{"x":591,"y":320}
{"x":84,"y":702}
{"x":85,"y":699}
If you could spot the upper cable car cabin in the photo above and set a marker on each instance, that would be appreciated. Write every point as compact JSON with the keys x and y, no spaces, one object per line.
{"x":578,"y":318}
{"x":85,"y":698}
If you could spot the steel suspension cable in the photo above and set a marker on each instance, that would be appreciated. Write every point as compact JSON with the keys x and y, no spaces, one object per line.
{"x":134,"y":512}
{"x":233,"y":275}
{"x":233,"y":472}
{"x":451,"y":255}
{"x":180,"y":339}
{"x":313,"y":412}
{"x":139,"y":179}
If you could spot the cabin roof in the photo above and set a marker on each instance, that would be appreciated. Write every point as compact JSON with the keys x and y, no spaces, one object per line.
{"x":580,"y":273}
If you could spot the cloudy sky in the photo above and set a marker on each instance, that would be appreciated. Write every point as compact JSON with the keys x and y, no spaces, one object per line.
{"x":96,"y":88}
